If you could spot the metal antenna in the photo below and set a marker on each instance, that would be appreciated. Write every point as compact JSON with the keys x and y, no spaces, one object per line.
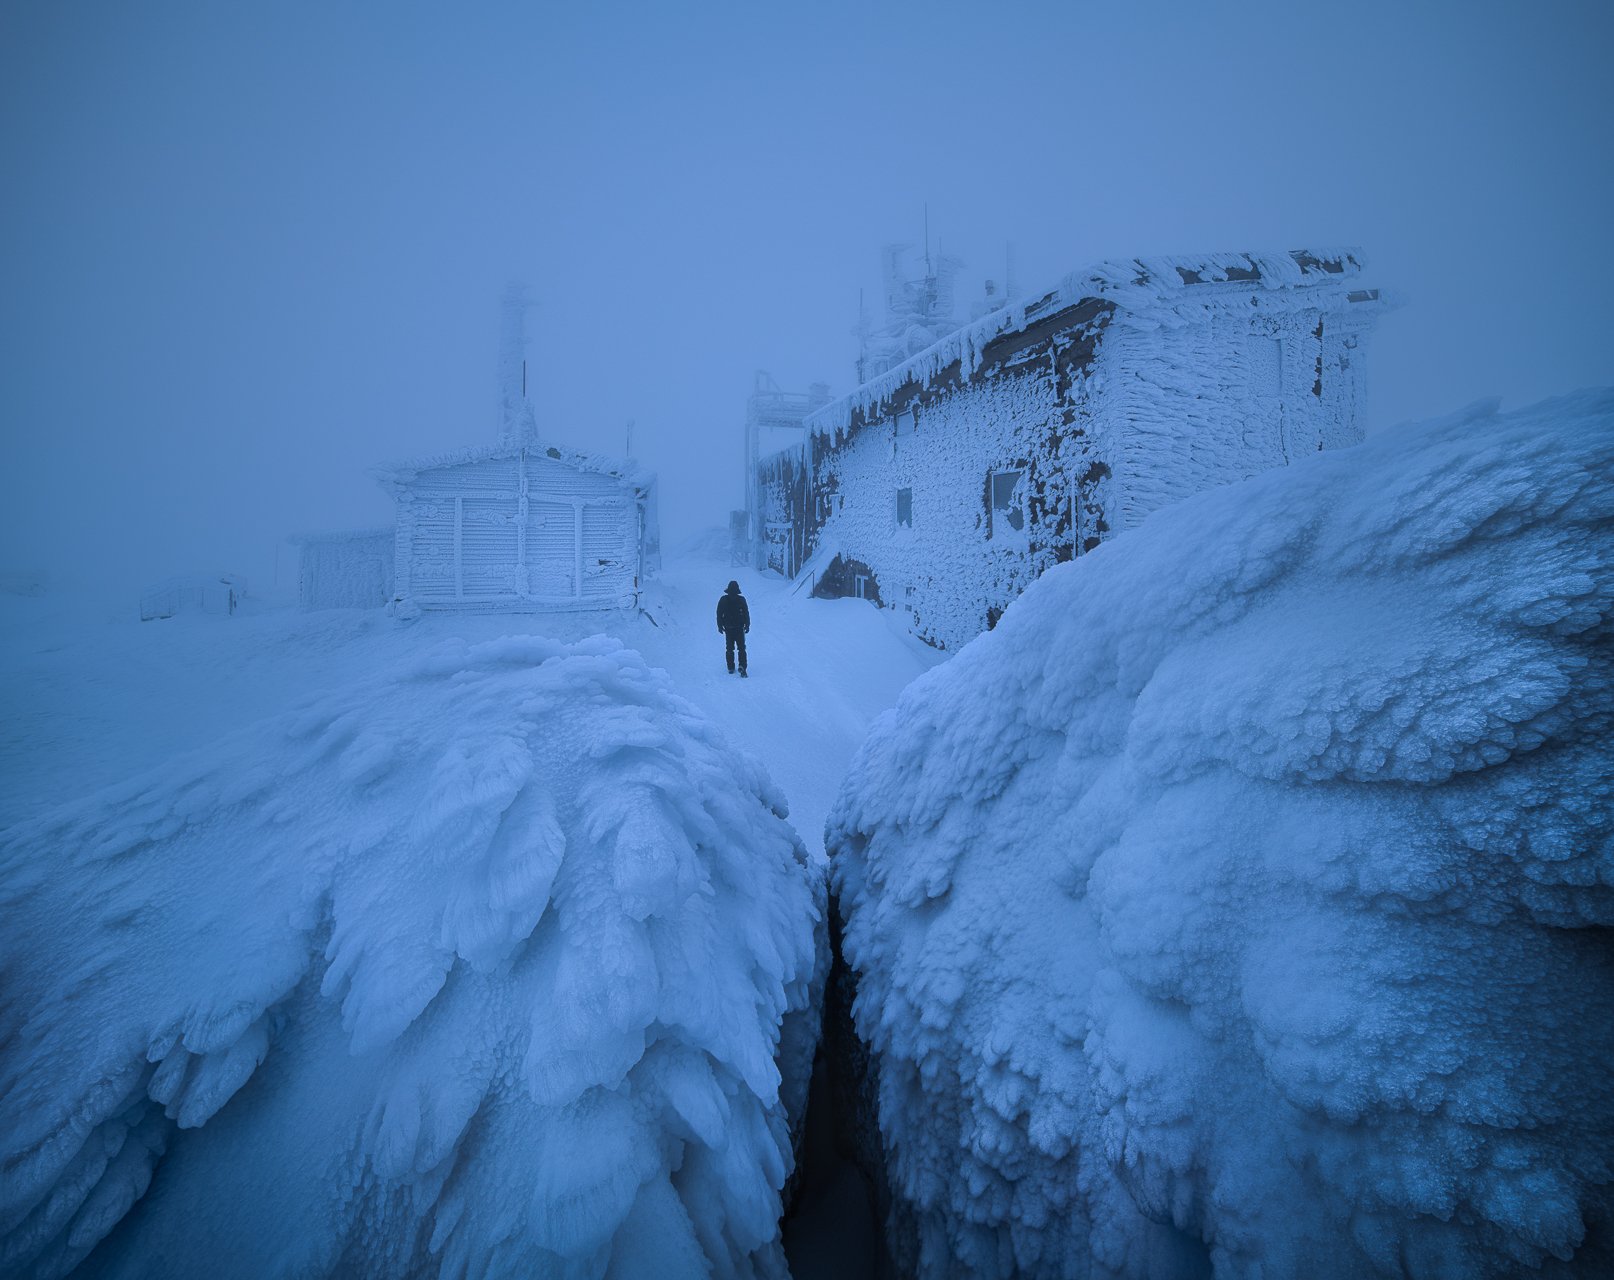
{"x":862,"y":337}
{"x":927,"y":237}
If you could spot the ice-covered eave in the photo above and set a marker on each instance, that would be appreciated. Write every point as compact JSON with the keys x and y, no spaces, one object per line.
{"x":1131,"y":285}
{"x":391,"y":474}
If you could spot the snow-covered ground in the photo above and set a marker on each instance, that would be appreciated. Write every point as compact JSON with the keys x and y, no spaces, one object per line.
{"x":432,"y":939}
{"x":1237,"y":907}
{"x":821,"y":671}
{"x":1240,"y":904}
{"x":92,"y":696}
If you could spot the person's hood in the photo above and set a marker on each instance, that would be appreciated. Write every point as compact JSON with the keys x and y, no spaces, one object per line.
{"x":733,"y":589}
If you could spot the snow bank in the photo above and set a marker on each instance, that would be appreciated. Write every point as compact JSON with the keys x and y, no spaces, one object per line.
{"x":501,"y":963}
{"x":1239,"y":904}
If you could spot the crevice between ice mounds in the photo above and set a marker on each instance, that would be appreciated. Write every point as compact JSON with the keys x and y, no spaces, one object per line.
{"x":1241,"y":903}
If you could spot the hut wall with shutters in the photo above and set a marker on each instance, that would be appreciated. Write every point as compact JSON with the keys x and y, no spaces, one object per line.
{"x":521,"y":528}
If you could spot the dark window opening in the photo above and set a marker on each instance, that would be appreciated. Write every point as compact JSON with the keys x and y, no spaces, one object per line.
{"x":845,"y":577}
{"x":905,"y":507}
{"x":1008,"y":505}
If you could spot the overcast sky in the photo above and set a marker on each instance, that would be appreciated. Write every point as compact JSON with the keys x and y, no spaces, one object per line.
{"x":249,"y":251}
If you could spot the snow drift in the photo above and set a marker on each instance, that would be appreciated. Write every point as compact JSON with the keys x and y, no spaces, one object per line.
{"x":501,"y":964}
{"x":1240,"y":904}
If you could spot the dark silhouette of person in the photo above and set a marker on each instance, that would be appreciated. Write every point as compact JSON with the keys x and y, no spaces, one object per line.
{"x":733,"y":620}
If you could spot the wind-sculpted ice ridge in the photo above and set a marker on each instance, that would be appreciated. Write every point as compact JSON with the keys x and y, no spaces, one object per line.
{"x":502,"y":964}
{"x":1239,"y":905}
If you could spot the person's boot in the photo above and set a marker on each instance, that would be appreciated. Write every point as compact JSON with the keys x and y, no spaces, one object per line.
{"x":743,"y":675}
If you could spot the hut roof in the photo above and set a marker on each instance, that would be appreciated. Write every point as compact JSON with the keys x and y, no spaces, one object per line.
{"x":624,"y":469}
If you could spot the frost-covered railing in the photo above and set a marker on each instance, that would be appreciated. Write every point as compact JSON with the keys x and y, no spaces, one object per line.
{"x":194,"y":595}
{"x":780,"y":410}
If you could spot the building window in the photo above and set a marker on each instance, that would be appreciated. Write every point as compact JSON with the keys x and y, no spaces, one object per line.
{"x":1008,"y":502}
{"x":903,"y":423}
{"x":905,"y":508}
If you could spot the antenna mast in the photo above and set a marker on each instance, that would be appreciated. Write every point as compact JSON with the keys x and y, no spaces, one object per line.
{"x":862,"y":338}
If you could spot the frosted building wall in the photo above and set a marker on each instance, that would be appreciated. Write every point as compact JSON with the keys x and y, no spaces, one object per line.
{"x":1205,"y":394}
{"x":345,"y":570}
{"x":947,"y":485}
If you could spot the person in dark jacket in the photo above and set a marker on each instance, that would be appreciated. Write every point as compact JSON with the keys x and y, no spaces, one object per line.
{"x":733,"y":620}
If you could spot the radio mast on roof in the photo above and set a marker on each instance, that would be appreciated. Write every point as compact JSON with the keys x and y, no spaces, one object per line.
{"x":518,"y":425}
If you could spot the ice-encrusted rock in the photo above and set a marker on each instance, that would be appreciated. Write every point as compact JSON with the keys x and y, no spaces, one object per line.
{"x":500,"y":964}
{"x":1240,"y":905}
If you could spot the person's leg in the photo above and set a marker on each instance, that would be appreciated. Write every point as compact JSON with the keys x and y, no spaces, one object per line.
{"x":728,"y":650}
{"x":739,"y":639}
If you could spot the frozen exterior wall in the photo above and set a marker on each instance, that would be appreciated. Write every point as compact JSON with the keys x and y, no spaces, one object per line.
{"x":1124,"y":388}
{"x":1220,"y":383}
{"x":351,"y":570}
{"x":949,"y":568}
{"x":783,"y":518}
{"x":521,"y":528}
{"x":1240,"y":905}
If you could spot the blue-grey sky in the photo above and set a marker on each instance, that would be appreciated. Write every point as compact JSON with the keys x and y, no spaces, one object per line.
{"x":249,"y":250}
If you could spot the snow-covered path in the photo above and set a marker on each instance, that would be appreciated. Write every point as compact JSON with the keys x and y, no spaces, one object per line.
{"x":821,"y":671}
{"x":92,"y":697}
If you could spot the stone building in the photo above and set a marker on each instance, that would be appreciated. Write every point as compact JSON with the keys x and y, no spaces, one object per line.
{"x":946,"y":485}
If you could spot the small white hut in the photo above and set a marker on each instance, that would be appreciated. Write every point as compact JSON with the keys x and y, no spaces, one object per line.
{"x":517,"y":526}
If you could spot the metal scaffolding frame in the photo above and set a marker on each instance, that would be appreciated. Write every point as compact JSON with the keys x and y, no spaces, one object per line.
{"x":770,"y":407}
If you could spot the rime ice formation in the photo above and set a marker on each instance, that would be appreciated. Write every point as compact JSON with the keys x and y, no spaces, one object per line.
{"x":1121,"y":390}
{"x":918,"y":310}
{"x":1142,"y":285}
{"x":1239,"y":905}
{"x":501,"y":963}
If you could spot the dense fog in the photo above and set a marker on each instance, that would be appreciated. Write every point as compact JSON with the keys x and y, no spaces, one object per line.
{"x":250,"y":253}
